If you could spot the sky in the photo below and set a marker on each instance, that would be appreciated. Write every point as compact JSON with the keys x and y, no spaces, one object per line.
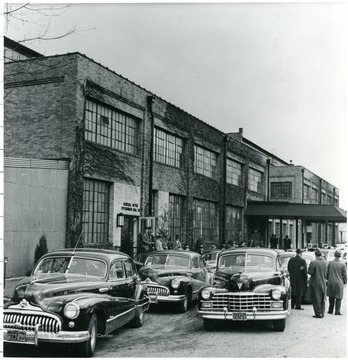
{"x":278,"y":70}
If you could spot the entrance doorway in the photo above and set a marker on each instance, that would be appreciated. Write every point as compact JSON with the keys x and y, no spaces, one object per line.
{"x":127,"y":235}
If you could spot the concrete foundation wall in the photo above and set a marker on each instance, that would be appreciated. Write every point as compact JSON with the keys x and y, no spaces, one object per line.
{"x":35,"y":203}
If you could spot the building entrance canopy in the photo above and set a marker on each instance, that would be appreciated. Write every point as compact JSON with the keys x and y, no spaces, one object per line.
{"x":309,"y":212}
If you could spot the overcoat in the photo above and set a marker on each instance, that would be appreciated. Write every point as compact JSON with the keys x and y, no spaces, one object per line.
{"x":297,"y":268}
{"x":317,"y":283}
{"x":337,"y":277}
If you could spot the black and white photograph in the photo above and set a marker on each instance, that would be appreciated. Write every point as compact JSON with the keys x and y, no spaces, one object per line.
{"x":174,"y":179}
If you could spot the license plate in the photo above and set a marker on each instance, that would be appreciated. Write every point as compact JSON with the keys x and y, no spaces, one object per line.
{"x":16,"y":336}
{"x":153,"y":298}
{"x":239,"y":316}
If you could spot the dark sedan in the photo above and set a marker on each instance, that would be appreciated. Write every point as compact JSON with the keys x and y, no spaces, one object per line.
{"x":248,"y":285}
{"x":75,"y":296}
{"x":174,"y":276}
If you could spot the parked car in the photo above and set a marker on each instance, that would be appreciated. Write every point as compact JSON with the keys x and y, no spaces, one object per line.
{"x":75,"y":296}
{"x":248,"y":285}
{"x":210,"y":258}
{"x":174,"y":276}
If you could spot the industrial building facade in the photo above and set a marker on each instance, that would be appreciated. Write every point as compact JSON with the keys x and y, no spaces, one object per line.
{"x":135,"y":160}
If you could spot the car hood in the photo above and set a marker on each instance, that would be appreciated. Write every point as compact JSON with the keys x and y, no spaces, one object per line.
{"x":160,"y":273}
{"x":246,"y":281}
{"x":45,"y":289}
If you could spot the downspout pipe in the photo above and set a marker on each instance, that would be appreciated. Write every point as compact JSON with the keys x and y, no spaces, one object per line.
{"x":152,"y":131}
{"x":268,"y":166}
{"x":223,"y":200}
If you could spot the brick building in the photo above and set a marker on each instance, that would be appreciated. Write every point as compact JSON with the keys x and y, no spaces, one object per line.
{"x":133,"y":159}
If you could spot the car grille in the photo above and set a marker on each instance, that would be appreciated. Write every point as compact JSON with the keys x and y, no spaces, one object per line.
{"x":158,"y":290}
{"x":24,"y":321}
{"x":241,"y":302}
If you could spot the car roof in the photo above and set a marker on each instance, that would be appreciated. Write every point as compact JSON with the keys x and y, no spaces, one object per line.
{"x":190,"y":254}
{"x":103,"y":254}
{"x":251,"y":251}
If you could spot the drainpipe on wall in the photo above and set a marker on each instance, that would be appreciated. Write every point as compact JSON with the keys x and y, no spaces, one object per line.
{"x":268,"y":165}
{"x":149,"y":106}
{"x":223,"y":207}
{"x":302,"y":185}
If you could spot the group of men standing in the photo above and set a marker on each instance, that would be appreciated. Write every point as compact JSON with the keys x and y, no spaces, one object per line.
{"x":327,"y":279}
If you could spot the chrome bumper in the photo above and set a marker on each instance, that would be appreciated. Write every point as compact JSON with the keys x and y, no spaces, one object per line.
{"x":255,"y":315}
{"x":167,"y":299}
{"x":33,"y":337}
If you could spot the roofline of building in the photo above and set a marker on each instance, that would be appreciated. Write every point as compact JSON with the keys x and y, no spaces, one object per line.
{"x":41,"y":57}
{"x":22,"y":49}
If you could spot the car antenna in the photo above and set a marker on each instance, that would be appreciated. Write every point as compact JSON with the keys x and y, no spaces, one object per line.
{"x":73,"y":254}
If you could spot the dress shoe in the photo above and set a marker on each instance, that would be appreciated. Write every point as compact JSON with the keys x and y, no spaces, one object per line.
{"x":299,"y":308}
{"x":316,"y":316}
{"x":338,"y":314}
{"x":329,"y":312}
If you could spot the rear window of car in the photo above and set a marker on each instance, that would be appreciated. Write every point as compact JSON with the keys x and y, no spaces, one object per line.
{"x":168,"y":259}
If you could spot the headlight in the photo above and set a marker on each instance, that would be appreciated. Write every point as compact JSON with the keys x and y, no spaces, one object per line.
{"x":276,"y":294}
{"x":175,"y":283}
{"x":71,"y":311}
{"x":205,"y":294}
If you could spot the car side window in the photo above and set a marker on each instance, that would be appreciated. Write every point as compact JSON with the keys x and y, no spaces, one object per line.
{"x":201,"y":263}
{"x":129,"y":269}
{"x":195,"y":262}
{"x":116,"y":271}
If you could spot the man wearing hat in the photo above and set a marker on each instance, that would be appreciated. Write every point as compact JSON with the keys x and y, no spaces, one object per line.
{"x":317,"y":284}
{"x":337,"y":277}
{"x":297,"y":268}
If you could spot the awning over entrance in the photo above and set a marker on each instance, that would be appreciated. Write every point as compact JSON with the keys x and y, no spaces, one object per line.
{"x":310,"y":212}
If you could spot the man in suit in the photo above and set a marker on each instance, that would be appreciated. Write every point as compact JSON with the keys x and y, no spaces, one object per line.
{"x":317,"y":284}
{"x":297,"y":268}
{"x":337,"y":277}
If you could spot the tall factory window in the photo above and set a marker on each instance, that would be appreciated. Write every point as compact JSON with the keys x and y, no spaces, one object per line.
{"x":110,"y":127}
{"x":96,"y":196}
{"x":315,"y":194}
{"x":323,"y":197}
{"x":255,"y":180}
{"x":205,"y":162}
{"x":175,"y":216}
{"x":233,"y":225}
{"x":168,"y":148}
{"x":281,"y":190}
{"x":234,"y":172}
{"x":205,"y":222}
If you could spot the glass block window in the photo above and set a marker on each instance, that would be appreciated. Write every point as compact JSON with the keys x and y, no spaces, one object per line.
{"x":168,"y":148}
{"x":323,"y":197}
{"x":281,"y":190}
{"x":96,"y":197}
{"x":234,"y":172}
{"x":233,"y":225}
{"x":205,"y":162}
{"x":175,"y":216}
{"x":306,"y":192}
{"x":315,"y":195}
{"x":110,"y":127}
{"x":255,"y":180}
{"x":205,"y":221}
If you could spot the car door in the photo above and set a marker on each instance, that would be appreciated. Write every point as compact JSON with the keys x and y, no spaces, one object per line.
{"x":121,"y":308}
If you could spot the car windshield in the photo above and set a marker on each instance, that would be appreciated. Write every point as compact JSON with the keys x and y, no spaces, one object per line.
{"x":168,"y":259}
{"x":78,"y":265}
{"x":250,"y":262}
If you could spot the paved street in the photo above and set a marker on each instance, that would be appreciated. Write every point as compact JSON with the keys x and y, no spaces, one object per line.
{"x":167,"y":334}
